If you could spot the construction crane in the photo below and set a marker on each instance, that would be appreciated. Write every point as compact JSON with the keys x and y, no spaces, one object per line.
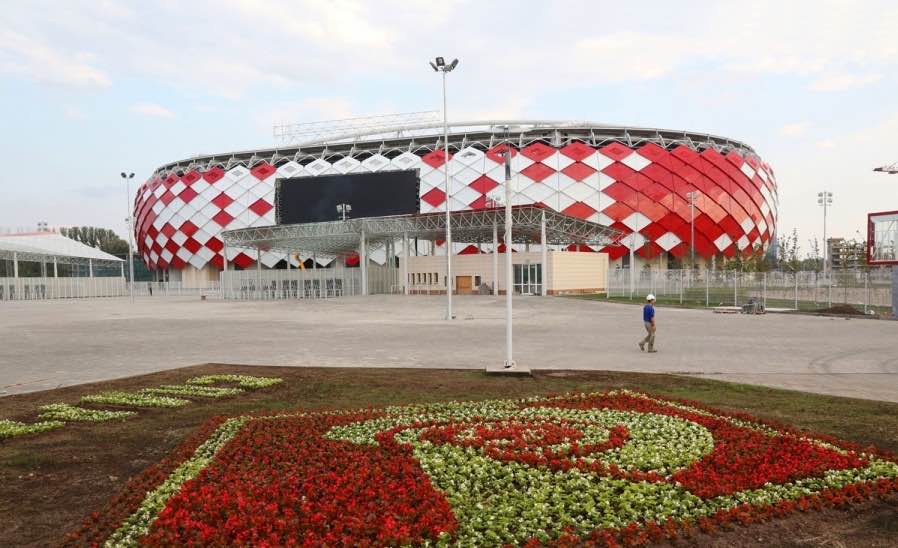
{"x":891,"y":169}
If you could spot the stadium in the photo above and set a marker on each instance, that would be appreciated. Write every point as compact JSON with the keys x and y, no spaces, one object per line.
{"x":669,"y":193}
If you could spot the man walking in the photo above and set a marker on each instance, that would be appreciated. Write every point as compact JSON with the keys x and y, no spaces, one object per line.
{"x":648,"y":318}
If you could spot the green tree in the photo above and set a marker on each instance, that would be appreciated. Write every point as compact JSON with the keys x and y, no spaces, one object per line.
{"x":101,"y":238}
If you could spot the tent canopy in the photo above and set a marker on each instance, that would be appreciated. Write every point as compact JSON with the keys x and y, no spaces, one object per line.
{"x":45,"y":246}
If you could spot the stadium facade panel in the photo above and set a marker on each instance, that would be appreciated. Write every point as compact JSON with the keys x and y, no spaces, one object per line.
{"x":635,"y":180}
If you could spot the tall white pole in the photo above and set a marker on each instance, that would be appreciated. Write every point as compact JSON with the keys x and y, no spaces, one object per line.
{"x":448,"y":223}
{"x":544,"y":268}
{"x":130,"y":226}
{"x":509,"y":273}
{"x":495,"y":260}
{"x":404,"y":272}
{"x":259,"y":272}
{"x":224,"y":272}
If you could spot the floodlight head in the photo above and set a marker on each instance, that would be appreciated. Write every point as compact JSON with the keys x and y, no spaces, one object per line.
{"x":435,"y":69}
{"x":440,"y":62}
{"x":123,"y":175}
{"x":452,"y":65}
{"x":131,"y":175}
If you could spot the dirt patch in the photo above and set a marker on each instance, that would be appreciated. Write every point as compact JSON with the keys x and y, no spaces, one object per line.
{"x":51,"y":481}
{"x":841,"y":309}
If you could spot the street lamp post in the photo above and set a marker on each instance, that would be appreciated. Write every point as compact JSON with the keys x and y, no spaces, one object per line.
{"x":825,"y":199}
{"x":509,"y":267}
{"x":127,"y":177}
{"x":439,"y":65}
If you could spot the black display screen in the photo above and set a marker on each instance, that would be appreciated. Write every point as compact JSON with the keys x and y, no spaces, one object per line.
{"x":315,"y":199}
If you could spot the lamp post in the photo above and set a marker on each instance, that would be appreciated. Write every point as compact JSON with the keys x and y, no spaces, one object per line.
{"x":824,"y":199}
{"x":509,"y":268}
{"x":439,"y":65}
{"x":127,"y":178}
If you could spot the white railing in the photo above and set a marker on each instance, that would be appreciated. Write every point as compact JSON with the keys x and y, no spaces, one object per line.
{"x":31,"y":289}
{"x":866,"y":290}
{"x":319,"y":283}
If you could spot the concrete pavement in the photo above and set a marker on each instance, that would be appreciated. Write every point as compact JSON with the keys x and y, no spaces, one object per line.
{"x":45,"y":344}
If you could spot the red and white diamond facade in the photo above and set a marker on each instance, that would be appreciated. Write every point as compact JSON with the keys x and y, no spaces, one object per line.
{"x":640,"y":187}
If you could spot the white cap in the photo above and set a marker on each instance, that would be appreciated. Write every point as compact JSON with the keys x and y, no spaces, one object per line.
{"x":650,"y":297}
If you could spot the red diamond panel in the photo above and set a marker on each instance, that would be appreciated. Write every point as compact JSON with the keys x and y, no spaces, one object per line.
{"x":215,"y":244}
{"x":167,"y":197}
{"x":578,"y":151}
{"x":263,"y":171}
{"x":579,"y":210}
{"x":187,"y":194}
{"x":188,"y":228}
{"x":222,"y":200}
{"x":538,"y":151}
{"x":168,"y":230}
{"x":435,"y":158}
{"x":243,"y":260}
{"x":537,"y":172}
{"x":483,"y":184}
{"x":190,"y":177}
{"x":222,"y":218}
{"x":260,"y":207}
{"x":434,"y":197}
{"x":213,"y":174}
{"x":192,"y":245}
{"x":616,"y":151}
{"x":469,"y":250}
{"x":617,"y":171}
{"x":497,"y":153}
{"x":578,"y":171}
{"x":615,"y":252}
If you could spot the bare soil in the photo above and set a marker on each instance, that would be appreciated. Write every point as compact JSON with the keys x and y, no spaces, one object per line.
{"x":51,"y":481}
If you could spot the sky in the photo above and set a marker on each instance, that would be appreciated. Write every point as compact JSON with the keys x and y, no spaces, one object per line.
{"x":92,"y":88}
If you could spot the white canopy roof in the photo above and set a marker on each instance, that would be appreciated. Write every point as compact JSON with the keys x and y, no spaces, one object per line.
{"x":40,"y":246}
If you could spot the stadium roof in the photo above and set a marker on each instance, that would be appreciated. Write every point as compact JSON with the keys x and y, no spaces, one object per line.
{"x":483,"y":134}
{"x":475,"y":226}
{"x":42,"y":246}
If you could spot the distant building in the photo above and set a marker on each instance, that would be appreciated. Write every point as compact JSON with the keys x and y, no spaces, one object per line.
{"x":844,"y":254}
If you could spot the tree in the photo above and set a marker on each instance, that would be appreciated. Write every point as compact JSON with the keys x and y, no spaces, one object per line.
{"x":101,"y":238}
{"x":787,"y":252}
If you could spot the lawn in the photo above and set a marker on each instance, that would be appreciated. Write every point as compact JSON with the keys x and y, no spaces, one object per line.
{"x":53,"y":479}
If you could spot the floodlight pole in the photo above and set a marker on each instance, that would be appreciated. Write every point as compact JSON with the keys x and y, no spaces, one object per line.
{"x":127,"y":179}
{"x":509,"y":273}
{"x":439,"y":65}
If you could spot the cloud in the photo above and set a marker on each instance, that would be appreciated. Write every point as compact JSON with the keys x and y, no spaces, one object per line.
{"x":793,"y":130}
{"x":825,"y":144}
{"x":152,"y":110}
{"x":843,"y":81}
{"x":39,"y":61}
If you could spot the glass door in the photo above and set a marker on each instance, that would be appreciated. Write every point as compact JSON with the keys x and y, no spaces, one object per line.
{"x":528,"y":279}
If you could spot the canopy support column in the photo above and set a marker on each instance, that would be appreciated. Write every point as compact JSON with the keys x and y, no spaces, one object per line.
{"x":544,"y":274}
{"x":258,"y":272}
{"x":15,"y":264}
{"x":90,"y":267}
{"x":55,"y":268}
{"x":404,"y":272}
{"x":224,"y":271}
{"x":363,"y":262}
{"x":495,"y":260}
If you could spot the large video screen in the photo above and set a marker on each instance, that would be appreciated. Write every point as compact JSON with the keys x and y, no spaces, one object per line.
{"x":315,"y":199}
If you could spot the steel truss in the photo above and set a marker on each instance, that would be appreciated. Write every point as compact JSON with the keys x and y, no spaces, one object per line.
{"x":423,"y":138}
{"x":340,"y":238}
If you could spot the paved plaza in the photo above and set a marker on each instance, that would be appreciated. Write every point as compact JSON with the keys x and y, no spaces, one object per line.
{"x":57,"y":343}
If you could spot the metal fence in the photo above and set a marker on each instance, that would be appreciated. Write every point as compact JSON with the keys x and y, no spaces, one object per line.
{"x":44,"y":288}
{"x":319,"y":283}
{"x":866,"y":290}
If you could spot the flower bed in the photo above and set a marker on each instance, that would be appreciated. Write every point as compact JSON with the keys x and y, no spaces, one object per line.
{"x":70,"y":413}
{"x":190,"y":390}
{"x":11,"y":429}
{"x":133,"y":399}
{"x":599,"y":468}
{"x":243,"y":381}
